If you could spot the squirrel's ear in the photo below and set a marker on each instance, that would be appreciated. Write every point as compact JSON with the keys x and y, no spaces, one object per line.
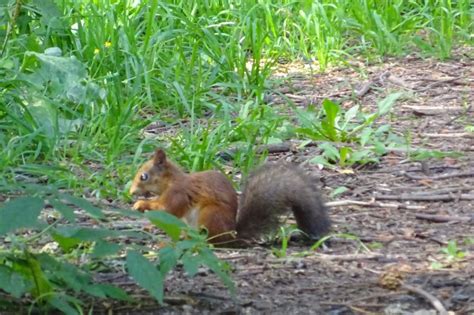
{"x":159,"y":158}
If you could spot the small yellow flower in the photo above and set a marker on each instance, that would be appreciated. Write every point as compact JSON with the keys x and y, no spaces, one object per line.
{"x":107,"y":44}
{"x":96,"y":51}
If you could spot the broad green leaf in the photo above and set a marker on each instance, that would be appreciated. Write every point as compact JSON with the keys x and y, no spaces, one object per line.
{"x":113,"y":292}
{"x":145,"y":274}
{"x":102,"y":249}
{"x":365,"y":136}
{"x":219,"y":267}
{"x":66,"y":211}
{"x":65,"y":303}
{"x":190,"y":263}
{"x":362,"y":156}
{"x":71,"y":276}
{"x":13,"y":282}
{"x":344,"y":153}
{"x":385,"y":105}
{"x":95,"y":290}
{"x":86,"y":234}
{"x":321,"y":160}
{"x":170,"y":224}
{"x":84,"y":204}
{"x":339,"y":190}
{"x":69,"y":237}
{"x":66,"y":243}
{"x":314,"y":134}
{"x":379,"y":148}
{"x":349,"y":115}
{"x":65,"y":77}
{"x":187,"y":244}
{"x":382,"y":129}
{"x":20,"y":213}
{"x":128,"y":213}
{"x":45,"y":115}
{"x":306,"y":118}
{"x":331,"y":109}
{"x":330,"y":151}
{"x":168,"y":259}
{"x":76,"y":279}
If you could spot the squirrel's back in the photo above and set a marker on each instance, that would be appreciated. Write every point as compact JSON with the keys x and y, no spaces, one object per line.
{"x":274,"y":189}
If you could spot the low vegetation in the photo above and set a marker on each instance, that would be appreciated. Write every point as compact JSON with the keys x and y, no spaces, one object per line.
{"x":81,"y":82}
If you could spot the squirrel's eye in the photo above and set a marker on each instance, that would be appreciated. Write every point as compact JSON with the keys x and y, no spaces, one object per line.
{"x":144,"y":177}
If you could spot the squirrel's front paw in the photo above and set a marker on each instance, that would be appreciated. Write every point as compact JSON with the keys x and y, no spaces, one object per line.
{"x":141,"y":205}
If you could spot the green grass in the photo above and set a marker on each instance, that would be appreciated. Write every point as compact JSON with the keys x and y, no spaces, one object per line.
{"x":75,"y":115}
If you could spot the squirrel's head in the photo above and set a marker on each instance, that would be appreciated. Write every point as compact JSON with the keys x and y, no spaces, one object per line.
{"x":154,"y":176}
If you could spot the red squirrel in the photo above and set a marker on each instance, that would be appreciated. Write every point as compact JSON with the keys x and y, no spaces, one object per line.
{"x":207,"y":199}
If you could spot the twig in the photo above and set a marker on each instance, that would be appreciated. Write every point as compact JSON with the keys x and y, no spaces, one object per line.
{"x":435,"y":84}
{"x":442,"y":176}
{"x":409,"y":197}
{"x":349,"y":257}
{"x":399,"y":82}
{"x":360,"y":310}
{"x":449,"y":135}
{"x":364,"y":89}
{"x":440,"y":191}
{"x":374,"y":296}
{"x":441,"y":218}
{"x":373,"y":204}
{"x":431,"y":298}
{"x":436,"y":110}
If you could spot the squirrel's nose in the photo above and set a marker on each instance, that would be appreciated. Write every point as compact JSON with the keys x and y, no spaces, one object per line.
{"x":134,"y":190}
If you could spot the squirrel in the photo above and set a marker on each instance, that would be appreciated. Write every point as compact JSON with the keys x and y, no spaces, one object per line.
{"x":208,"y":199}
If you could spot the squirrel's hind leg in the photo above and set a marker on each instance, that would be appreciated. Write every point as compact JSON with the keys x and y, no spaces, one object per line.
{"x":219,"y":224}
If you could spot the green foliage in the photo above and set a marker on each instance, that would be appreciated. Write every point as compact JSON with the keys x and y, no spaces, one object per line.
{"x":353,"y":128}
{"x":145,"y":274}
{"x":284,"y":236}
{"x":30,"y":208}
{"x":171,"y":225}
{"x":346,"y":236}
{"x":338,"y":191}
{"x":54,"y":282}
{"x":452,"y":254}
{"x":192,"y":252}
{"x":452,"y":251}
{"x":419,"y":155}
{"x":197,"y":146}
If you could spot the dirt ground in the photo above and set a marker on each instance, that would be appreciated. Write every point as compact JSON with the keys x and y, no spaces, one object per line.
{"x":403,"y":212}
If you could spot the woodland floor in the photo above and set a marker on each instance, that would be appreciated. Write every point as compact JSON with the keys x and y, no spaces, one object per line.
{"x":411,"y":210}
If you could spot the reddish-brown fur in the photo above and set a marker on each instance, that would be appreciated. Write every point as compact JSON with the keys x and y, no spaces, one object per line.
{"x":207,"y":199}
{"x":210,"y":192}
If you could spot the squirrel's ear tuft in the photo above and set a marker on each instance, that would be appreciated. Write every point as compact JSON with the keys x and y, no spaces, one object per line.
{"x":160,"y":157}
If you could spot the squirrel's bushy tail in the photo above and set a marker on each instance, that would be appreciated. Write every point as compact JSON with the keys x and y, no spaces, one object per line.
{"x":275,"y":189}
